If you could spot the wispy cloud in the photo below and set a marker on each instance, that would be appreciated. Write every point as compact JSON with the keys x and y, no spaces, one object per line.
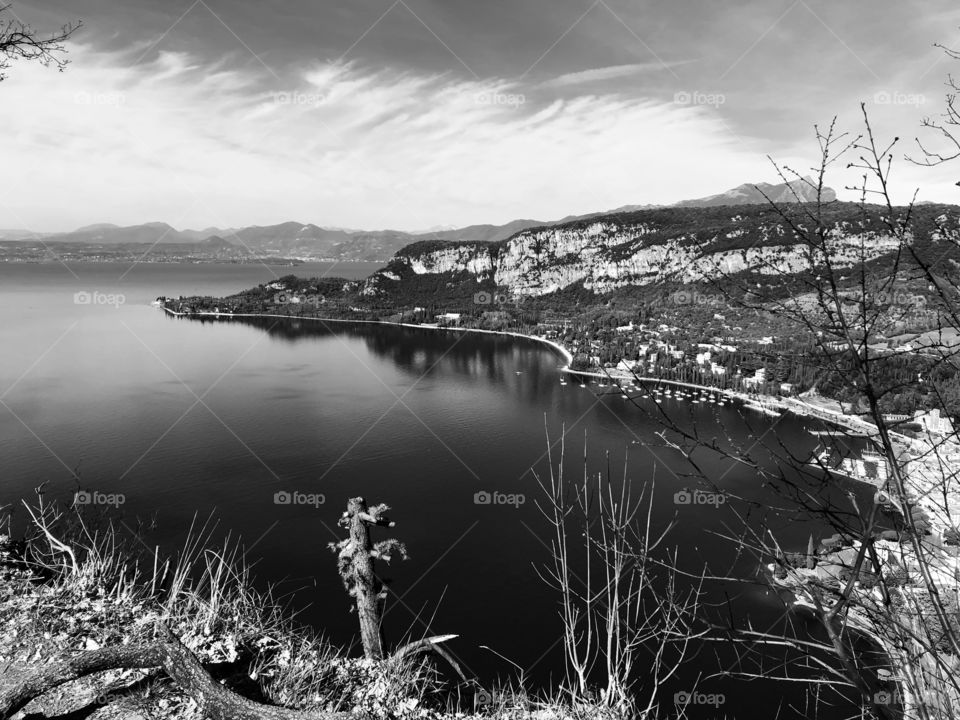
{"x":612,"y":72}
{"x":200,"y":143}
{"x":195,"y":143}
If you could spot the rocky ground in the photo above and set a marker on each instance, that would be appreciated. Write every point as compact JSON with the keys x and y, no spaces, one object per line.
{"x":41,"y":621}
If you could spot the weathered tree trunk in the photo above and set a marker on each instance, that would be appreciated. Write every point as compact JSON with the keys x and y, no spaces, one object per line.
{"x":36,"y":683}
{"x":214,"y":700}
{"x":366,"y":585}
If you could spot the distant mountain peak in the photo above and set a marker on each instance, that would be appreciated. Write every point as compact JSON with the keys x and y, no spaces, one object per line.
{"x":762,"y":193}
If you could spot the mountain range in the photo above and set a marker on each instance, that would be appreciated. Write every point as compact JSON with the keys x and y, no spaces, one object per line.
{"x":314,"y":242}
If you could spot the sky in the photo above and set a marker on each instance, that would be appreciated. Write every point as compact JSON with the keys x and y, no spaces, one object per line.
{"x":412,"y":114}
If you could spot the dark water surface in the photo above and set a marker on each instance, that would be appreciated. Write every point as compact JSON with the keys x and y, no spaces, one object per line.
{"x":190,"y":418}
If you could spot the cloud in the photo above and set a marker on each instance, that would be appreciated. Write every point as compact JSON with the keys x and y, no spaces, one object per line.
{"x":612,"y":72}
{"x":199,"y":144}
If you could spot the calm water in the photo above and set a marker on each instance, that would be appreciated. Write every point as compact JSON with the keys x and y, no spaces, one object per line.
{"x":189,"y":418}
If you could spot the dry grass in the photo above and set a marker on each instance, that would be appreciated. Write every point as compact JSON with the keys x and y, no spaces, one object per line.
{"x":78,"y":582}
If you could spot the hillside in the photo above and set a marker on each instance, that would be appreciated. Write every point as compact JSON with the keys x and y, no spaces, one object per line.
{"x":662,"y":245}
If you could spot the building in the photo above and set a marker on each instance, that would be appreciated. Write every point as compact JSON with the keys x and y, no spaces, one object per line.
{"x":932,"y":422}
{"x":448,"y":319}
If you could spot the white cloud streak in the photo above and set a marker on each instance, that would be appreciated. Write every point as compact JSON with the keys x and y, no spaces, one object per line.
{"x":195,"y":144}
{"x":611,"y":73}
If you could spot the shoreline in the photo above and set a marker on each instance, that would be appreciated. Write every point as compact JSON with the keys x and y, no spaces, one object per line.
{"x":793,"y":406}
{"x":567,"y":356}
{"x":760,"y":403}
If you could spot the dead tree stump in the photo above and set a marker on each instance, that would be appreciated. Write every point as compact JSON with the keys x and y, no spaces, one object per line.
{"x":355,"y":558}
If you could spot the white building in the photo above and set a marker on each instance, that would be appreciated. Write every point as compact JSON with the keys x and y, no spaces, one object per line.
{"x":932,"y":422}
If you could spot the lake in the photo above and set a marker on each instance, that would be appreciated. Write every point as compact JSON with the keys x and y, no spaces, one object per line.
{"x":191,"y":419}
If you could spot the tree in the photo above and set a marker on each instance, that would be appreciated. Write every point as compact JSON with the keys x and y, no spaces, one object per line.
{"x":900,"y":594}
{"x":19,"y":41}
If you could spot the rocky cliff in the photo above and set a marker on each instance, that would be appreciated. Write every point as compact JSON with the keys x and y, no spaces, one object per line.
{"x":660,"y":245}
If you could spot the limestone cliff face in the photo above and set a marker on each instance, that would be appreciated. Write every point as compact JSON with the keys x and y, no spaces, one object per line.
{"x":611,"y":253}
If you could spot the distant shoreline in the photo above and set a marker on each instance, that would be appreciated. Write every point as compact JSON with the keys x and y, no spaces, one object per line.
{"x":567,"y":356}
{"x":794,"y":406}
